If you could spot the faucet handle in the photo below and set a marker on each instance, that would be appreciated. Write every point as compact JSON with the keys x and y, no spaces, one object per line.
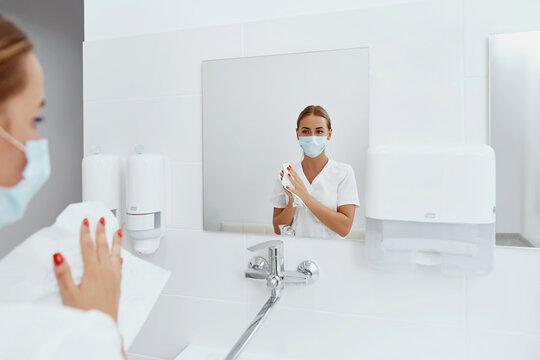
{"x":270,"y":245}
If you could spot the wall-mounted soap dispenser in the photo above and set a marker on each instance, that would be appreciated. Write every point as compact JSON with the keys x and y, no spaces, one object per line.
{"x":431,"y":205}
{"x":145,"y":200}
{"x":101,"y":180}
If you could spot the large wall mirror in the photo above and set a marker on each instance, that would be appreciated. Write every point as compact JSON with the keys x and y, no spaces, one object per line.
{"x":515,"y":135}
{"x":250,"y":111}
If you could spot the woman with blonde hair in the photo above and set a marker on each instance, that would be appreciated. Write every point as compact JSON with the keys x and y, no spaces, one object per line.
{"x":86,"y":327}
{"x":325,"y":190}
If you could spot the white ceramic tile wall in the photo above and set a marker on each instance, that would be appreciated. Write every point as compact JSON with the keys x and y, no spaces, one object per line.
{"x":428,"y":65}
{"x":486,"y":17}
{"x":106,"y":19}
{"x":494,"y":345}
{"x":415,"y":75}
{"x":476,"y":110}
{"x":321,"y":335}
{"x":155,"y":66}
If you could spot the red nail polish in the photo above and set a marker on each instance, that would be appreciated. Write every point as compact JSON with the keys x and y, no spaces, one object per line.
{"x":122,"y":261}
{"x":85,"y":222}
{"x":102,"y":221}
{"x":119,"y":232}
{"x":289,"y":175}
{"x":58,"y":259}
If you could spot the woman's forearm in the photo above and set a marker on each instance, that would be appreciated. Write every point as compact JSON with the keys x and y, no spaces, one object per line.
{"x":285,"y":217}
{"x":334,"y":220}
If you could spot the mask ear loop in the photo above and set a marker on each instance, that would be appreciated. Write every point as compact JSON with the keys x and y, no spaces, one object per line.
{"x":4,"y":134}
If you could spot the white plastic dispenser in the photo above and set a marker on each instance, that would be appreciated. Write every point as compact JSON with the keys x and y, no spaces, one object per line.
{"x":431,"y":205}
{"x":145,"y":185}
{"x":101,"y":180}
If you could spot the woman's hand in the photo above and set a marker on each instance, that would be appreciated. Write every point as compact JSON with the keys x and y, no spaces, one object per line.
{"x":299,"y":187}
{"x":100,"y":285}
{"x":291,"y":199}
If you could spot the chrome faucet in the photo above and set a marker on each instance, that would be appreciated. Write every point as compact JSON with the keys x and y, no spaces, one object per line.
{"x":273,"y":271}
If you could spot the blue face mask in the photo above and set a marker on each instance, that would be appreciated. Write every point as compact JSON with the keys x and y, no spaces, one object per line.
{"x":13,"y":200}
{"x":313,"y":146}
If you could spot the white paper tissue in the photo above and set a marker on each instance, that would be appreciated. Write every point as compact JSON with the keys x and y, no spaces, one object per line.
{"x":285,"y":181}
{"x":27,"y":274}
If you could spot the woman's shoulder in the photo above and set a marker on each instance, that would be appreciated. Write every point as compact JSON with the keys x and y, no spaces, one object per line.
{"x":340,"y":168}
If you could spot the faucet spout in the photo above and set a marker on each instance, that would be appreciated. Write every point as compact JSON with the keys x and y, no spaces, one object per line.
{"x":253,"y":327}
{"x":271,"y":270}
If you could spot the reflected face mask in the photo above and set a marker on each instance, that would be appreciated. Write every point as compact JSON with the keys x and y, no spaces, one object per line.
{"x":15,"y":199}
{"x":313,"y":146}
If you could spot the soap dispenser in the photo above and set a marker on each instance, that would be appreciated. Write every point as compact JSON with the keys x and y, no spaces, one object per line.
{"x":145,"y":195}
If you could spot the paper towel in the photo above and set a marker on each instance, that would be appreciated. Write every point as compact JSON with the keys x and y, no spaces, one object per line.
{"x":27,"y":274}
{"x":285,"y":181}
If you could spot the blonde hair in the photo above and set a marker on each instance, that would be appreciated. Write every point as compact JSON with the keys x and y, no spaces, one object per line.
{"x":316,"y":110}
{"x":14,"y":45}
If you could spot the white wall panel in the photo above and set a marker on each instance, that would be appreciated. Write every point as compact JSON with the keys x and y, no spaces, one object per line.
{"x":166,"y":64}
{"x":416,"y":75}
{"x":486,"y":17}
{"x":151,"y":16}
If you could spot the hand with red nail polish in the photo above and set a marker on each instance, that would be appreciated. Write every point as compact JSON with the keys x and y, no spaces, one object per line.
{"x":289,"y":194}
{"x":299,"y":186}
{"x":100,"y":285}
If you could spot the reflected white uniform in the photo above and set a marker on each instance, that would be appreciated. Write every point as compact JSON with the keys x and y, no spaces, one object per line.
{"x":333,"y":187}
{"x":44,"y":332}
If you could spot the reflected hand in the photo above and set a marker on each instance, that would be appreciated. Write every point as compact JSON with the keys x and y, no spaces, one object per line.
{"x":291,"y":199}
{"x":299,"y":187}
{"x":100,"y":285}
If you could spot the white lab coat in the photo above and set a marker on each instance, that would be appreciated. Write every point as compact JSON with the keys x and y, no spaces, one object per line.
{"x":333,"y":187}
{"x":44,"y":332}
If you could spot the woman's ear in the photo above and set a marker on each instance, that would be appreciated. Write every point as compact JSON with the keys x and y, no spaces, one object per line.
{"x":329,"y":134}
{"x":297,"y":138}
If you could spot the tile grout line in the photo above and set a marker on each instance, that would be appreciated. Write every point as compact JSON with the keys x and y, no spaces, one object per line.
{"x":142,"y":98}
{"x":464,"y":64}
{"x":465,"y":302}
{"x":242,"y":39}
{"x":506,"y":332}
{"x":235,"y":302}
{"x":244,"y":286}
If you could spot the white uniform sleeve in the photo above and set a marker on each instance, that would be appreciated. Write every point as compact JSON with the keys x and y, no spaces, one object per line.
{"x":347,"y":189}
{"x":279,"y":197}
{"x":96,"y":337}
{"x":40,"y":332}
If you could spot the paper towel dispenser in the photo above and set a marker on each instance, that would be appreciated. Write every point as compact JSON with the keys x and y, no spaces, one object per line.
{"x":101,"y":180}
{"x":431,"y":205}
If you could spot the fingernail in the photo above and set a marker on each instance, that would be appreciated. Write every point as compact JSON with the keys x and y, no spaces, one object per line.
{"x":289,"y":175}
{"x":102,"y":221}
{"x":287,"y":187}
{"x":58,"y":259}
{"x":122,"y":261}
{"x":85,"y":222}
{"x":119,"y":232}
